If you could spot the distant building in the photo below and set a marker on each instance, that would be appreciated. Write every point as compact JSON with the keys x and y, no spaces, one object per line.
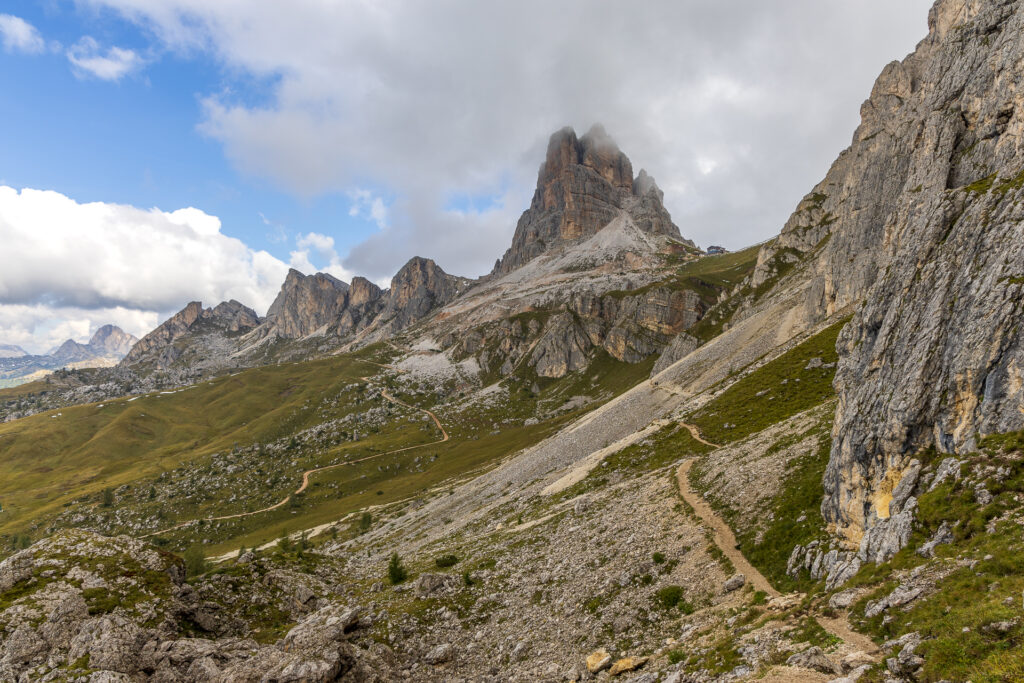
{"x":717,"y":250}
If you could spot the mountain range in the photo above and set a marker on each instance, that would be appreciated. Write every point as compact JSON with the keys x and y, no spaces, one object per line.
{"x":614,"y":456}
{"x":108,"y":345}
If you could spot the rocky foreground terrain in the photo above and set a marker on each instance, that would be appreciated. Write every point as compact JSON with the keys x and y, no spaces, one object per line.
{"x":614,"y":457}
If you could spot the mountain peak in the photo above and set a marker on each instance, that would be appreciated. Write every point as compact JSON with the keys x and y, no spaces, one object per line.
{"x":583,"y":185}
{"x":111,"y":340}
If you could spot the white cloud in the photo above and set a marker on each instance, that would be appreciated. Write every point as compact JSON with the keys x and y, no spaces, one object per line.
{"x":115,"y":263}
{"x":322,"y":247}
{"x":88,"y":59}
{"x":17,"y":35}
{"x":368,"y":206}
{"x":434,"y":99}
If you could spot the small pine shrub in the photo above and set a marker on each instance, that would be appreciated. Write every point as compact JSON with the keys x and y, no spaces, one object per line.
{"x":195,"y":561}
{"x":396,"y":570}
{"x":672,"y":596}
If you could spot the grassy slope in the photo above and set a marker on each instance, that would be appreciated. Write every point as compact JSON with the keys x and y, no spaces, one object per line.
{"x":51,"y":458}
{"x":49,"y":463}
{"x":775,"y":392}
{"x":779,"y":389}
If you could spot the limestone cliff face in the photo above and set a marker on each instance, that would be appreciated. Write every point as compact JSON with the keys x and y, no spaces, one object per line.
{"x":583,"y":184}
{"x":629,"y":327}
{"x":363,"y":302}
{"x":417,"y":289}
{"x":922,"y":220}
{"x":192,"y":331}
{"x":305,"y":304}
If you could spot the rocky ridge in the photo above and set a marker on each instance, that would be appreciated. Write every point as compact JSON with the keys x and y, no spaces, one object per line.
{"x":193,"y":336}
{"x":593,"y":234}
{"x":921,"y":220}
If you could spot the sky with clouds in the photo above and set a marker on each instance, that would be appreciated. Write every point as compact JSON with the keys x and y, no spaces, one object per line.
{"x":159,"y":151}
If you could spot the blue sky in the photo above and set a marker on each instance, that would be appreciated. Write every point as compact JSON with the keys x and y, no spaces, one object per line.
{"x":136,"y":140}
{"x":159,"y":151}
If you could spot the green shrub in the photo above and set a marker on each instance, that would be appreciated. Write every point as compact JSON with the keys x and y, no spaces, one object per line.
{"x":445,"y":561}
{"x":659,"y":558}
{"x":396,"y":570}
{"x":195,"y":561}
{"x":669,"y":596}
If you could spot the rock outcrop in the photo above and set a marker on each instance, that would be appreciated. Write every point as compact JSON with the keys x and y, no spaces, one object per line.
{"x":628,"y":326}
{"x":584,"y":184}
{"x":417,"y":289}
{"x":306,"y":304}
{"x":922,"y":220}
{"x":122,"y":609}
{"x":194,"y":332}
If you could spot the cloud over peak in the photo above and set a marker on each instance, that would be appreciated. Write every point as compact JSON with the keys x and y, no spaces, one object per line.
{"x":736,"y":108}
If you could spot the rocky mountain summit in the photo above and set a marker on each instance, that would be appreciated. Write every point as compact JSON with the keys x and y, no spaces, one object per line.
{"x":592,"y":234}
{"x":584,"y":184}
{"x":305,"y":304}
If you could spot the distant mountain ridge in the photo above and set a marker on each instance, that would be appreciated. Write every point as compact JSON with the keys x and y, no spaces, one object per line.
{"x":108,"y":345}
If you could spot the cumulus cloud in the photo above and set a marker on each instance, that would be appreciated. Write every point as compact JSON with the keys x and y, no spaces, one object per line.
{"x":736,"y":108}
{"x":110,"y":263}
{"x":17,"y":35}
{"x":88,"y":59}
{"x":320,"y":246}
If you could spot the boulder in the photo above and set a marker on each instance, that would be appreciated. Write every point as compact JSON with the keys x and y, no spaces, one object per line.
{"x":598,"y":660}
{"x":814,"y":658}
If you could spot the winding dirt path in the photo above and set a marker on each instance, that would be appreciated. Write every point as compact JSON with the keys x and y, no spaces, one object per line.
{"x":308,"y":473}
{"x":726,"y":541}
{"x":724,"y":538}
{"x":695,"y":433}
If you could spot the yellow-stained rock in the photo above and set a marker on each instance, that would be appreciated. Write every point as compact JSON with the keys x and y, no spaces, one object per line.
{"x":627,"y":664}
{"x":599,"y":660}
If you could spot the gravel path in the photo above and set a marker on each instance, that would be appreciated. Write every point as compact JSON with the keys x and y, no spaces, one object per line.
{"x":726,"y":541}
